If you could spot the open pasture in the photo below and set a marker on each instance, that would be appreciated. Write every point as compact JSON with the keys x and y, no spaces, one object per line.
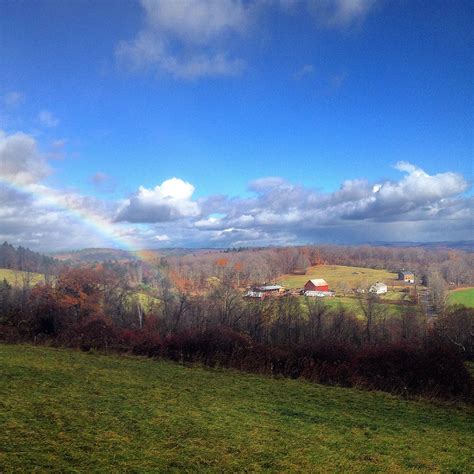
{"x":343,"y":279}
{"x":92,"y":413}
{"x":340,"y":277}
{"x":18,"y":278}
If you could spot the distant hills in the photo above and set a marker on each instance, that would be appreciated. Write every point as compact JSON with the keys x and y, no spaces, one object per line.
{"x":92,"y":255}
{"x":466,"y":245}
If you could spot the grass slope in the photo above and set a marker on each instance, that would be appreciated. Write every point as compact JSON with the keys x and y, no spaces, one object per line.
{"x":18,"y":278}
{"x":341,"y":278}
{"x":69,"y":411}
{"x":464,"y":296}
{"x":336,"y":275}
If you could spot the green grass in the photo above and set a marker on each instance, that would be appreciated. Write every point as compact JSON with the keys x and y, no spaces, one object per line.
{"x":17,"y":278}
{"x":337,"y":275}
{"x":351,"y":304}
{"x":343,"y":278}
{"x":465,"y":297}
{"x":66,"y":411}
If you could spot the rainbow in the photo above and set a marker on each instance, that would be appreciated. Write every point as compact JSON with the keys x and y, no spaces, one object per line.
{"x":93,"y":221}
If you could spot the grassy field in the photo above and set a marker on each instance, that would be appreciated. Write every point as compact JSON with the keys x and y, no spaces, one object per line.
{"x":91,"y":413}
{"x":17,"y":278}
{"x":342,"y":279}
{"x":351,"y":304}
{"x":464,"y":296}
{"x":338,"y":275}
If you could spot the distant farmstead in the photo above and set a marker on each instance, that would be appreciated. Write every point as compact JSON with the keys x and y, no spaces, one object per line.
{"x":407,"y":277}
{"x":317,"y":284}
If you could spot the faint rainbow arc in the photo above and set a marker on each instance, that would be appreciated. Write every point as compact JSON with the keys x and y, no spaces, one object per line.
{"x":102,"y":226}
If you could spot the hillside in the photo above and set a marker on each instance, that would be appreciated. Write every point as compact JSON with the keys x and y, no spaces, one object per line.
{"x":17,"y":278}
{"x":94,"y":255}
{"x":337,"y":275}
{"x":88,"y":412}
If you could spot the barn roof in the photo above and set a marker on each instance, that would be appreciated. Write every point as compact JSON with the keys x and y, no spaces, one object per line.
{"x":318,"y":282}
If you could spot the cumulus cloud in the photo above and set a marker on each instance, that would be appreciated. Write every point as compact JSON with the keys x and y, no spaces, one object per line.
{"x":418,"y":206}
{"x":188,"y":38}
{"x":20,"y":160}
{"x":47,"y":118}
{"x":168,"y":201}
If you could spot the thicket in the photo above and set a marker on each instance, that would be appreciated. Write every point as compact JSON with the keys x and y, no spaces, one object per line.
{"x":93,"y":309}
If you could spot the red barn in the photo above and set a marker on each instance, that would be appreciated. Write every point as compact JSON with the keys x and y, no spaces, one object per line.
{"x":318,"y":284}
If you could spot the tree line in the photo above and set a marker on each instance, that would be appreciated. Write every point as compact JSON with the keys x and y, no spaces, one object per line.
{"x":97,"y":308}
{"x":26,"y":260}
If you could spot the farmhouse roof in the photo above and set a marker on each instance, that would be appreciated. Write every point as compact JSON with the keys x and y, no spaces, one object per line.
{"x":406,"y":273}
{"x":269,"y":287}
{"x":318,"y":282}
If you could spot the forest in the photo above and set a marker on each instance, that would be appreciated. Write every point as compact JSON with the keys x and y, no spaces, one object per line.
{"x":150,"y":309}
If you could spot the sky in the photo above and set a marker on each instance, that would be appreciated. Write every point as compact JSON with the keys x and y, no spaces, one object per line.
{"x":228,"y":123}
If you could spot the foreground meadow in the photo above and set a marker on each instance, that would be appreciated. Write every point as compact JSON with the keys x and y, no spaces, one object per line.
{"x":63,"y":410}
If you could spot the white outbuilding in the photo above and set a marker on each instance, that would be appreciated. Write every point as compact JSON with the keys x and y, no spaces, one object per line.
{"x":378,"y":288}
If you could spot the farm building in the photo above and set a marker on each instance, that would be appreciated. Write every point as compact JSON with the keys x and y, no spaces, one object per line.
{"x":318,"y":294}
{"x":269,"y":289}
{"x":407,"y":277}
{"x":378,"y":288}
{"x":317,"y":284}
{"x":254,"y":294}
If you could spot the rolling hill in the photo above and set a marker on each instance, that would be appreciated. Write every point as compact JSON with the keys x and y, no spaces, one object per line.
{"x":87,"y":412}
{"x":18,"y":278}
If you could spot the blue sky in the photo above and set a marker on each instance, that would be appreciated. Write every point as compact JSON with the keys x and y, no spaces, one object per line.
{"x":121,"y":97}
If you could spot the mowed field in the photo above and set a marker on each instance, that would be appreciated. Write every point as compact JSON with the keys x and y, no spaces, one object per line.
{"x":18,"y":278}
{"x":338,"y":276}
{"x":91,"y":413}
{"x":463,"y":296}
{"x":342,"y":279}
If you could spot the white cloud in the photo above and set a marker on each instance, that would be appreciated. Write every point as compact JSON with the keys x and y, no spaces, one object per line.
{"x":166,"y":202}
{"x":48,"y":119}
{"x":359,"y":210}
{"x":196,"y":21}
{"x":417,"y":206}
{"x":20,"y":160}
{"x":187,"y":38}
{"x":190,"y":39}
